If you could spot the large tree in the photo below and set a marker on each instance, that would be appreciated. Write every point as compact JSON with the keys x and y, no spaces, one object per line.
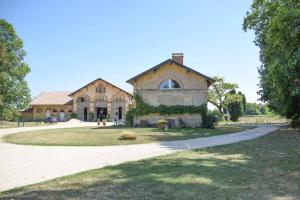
{"x":14,"y":92}
{"x":217,"y":92}
{"x":276,"y":24}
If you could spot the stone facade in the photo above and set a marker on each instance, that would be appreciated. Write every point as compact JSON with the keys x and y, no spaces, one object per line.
{"x":98,"y":99}
{"x":60,"y":112}
{"x":102,"y":99}
{"x":189,"y":120}
{"x":186,"y":87}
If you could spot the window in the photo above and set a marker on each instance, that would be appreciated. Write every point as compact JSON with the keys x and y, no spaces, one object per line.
{"x":54,"y":110}
{"x":70,"y":111}
{"x":100,"y":89}
{"x":81,"y":99}
{"x":169,"y":84}
{"x":39,"y":110}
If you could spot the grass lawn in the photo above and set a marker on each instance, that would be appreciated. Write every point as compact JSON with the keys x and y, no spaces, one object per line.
{"x":257,"y":119}
{"x":95,"y":136}
{"x":6,"y":124}
{"x":263,"y":168}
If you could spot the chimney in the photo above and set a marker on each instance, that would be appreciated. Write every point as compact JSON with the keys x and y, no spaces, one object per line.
{"x":178,"y":57}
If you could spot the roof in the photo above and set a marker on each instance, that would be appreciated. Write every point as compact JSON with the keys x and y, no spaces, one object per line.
{"x":99,"y":79}
{"x":170,"y":61}
{"x":52,"y":98}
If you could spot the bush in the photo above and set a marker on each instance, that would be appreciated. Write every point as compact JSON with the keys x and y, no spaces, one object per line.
{"x":129,"y":117}
{"x":73,"y":116}
{"x":210,"y":120}
{"x":91,"y":116}
{"x":295,"y":123}
{"x":162,"y":124}
{"x":126,"y":135}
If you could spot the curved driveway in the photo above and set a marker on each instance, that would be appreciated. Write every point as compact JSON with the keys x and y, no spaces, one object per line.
{"x":21,"y":164}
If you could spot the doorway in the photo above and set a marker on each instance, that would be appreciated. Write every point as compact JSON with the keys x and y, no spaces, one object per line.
{"x":120,"y":112}
{"x":101,"y":113}
{"x":61,"y":116}
{"x":85,"y":114}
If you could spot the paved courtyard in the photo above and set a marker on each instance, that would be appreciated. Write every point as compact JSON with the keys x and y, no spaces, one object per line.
{"x":21,"y":165}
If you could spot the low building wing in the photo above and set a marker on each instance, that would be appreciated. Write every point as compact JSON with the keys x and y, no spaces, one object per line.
{"x":52,"y":98}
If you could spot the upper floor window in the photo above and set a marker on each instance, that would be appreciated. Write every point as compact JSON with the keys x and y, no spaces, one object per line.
{"x":100,"y":89}
{"x":169,"y":84}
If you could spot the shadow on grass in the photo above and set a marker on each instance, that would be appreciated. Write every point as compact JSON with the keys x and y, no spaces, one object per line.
{"x":264,"y":168}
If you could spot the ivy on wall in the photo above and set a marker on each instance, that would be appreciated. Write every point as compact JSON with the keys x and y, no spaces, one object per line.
{"x":141,"y":108}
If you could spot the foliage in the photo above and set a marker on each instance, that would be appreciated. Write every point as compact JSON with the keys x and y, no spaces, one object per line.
{"x":276,"y":26}
{"x":258,"y":109}
{"x":73,"y":115}
{"x":243,"y":102}
{"x":210,"y":120}
{"x":91,"y":116}
{"x":295,"y":123}
{"x":217,"y":92}
{"x":255,"y":109}
{"x":129,"y":116}
{"x":162,"y":124}
{"x":14,"y":92}
{"x":143,"y":108}
{"x":234,"y":104}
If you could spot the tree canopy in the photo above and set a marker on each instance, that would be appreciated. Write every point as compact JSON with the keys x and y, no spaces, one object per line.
{"x":14,"y":92}
{"x":276,"y":24}
{"x":217,"y":92}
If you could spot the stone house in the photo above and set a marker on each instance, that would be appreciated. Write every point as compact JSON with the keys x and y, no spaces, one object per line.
{"x":97,"y":99}
{"x":172,"y":83}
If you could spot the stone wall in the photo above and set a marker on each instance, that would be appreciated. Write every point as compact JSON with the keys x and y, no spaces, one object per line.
{"x":39,"y":112}
{"x":111,"y":98}
{"x":193,"y":88}
{"x":190,"y":120}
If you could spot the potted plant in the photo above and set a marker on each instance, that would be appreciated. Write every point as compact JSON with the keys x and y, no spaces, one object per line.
{"x":162,"y":124}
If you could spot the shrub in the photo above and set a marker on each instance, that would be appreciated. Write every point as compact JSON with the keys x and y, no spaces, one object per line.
{"x":210,"y":120}
{"x":91,"y":116}
{"x":181,"y":123}
{"x":162,"y":124}
{"x":73,"y":116}
{"x":295,"y":123}
{"x":129,"y":117}
{"x":126,"y":135}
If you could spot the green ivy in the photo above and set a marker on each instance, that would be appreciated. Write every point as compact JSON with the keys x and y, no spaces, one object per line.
{"x":143,"y":108}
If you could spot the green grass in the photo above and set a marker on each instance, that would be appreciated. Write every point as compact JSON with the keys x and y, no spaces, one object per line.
{"x":6,"y":124}
{"x":263,"y":168}
{"x":257,"y":119}
{"x":94,"y":136}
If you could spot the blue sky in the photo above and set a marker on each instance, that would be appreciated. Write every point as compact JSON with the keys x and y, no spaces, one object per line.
{"x":71,"y":43}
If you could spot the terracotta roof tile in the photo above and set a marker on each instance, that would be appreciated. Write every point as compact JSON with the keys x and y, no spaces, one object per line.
{"x":52,"y":98}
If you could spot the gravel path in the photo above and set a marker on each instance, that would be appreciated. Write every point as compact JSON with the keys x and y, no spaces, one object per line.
{"x":21,"y":165}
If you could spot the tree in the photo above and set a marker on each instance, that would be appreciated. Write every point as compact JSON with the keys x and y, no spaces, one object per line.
{"x":276,"y":24}
{"x":234,"y":104}
{"x":14,"y":92}
{"x":217,"y":92}
{"x":244,"y":102}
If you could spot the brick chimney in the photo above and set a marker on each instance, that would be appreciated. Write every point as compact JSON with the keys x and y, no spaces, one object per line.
{"x":178,"y":57}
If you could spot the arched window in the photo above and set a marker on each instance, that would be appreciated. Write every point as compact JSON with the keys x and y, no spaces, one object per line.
{"x":100,"y":89}
{"x":169,"y":84}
